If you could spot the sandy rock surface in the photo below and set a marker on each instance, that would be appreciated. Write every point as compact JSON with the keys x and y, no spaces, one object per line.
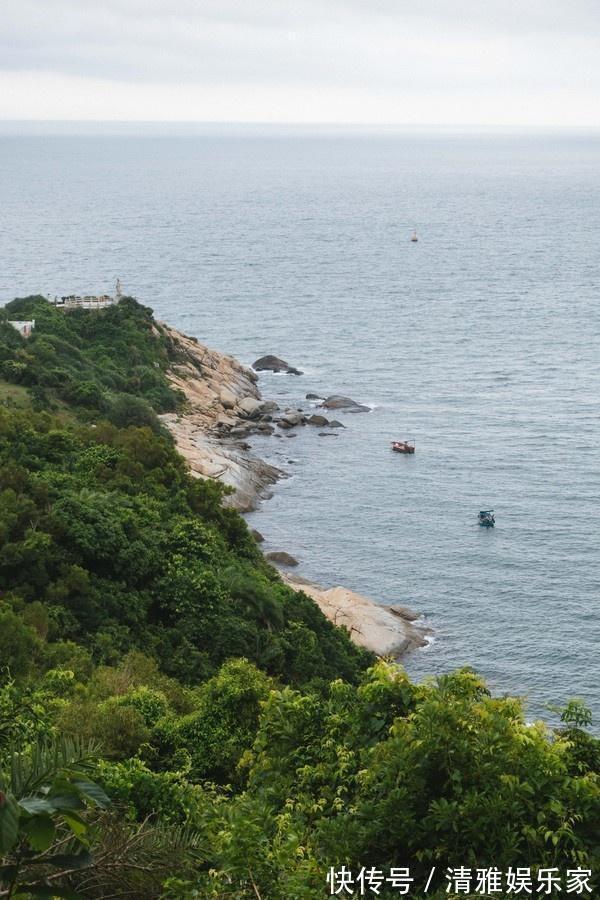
{"x":220,"y":392}
{"x":370,"y":624}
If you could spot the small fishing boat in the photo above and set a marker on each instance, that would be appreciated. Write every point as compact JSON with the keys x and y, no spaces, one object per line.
{"x":486,"y":518}
{"x":403,"y":446}
{"x":414,"y":237}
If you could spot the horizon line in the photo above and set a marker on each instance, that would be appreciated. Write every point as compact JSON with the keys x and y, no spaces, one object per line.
{"x":29,"y":123}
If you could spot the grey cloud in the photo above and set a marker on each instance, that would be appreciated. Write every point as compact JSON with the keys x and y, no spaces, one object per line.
{"x":386,"y":44}
{"x":525,"y":17}
{"x":511,"y":16}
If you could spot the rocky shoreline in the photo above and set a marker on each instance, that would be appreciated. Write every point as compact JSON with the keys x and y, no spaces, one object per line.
{"x":210,"y":434}
{"x":385,"y":630}
{"x":224,"y":408}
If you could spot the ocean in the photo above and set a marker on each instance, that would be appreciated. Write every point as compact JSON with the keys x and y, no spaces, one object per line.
{"x":481,"y":342}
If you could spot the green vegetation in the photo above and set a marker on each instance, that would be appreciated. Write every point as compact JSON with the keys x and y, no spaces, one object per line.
{"x":174,"y":721}
{"x":111,"y":364}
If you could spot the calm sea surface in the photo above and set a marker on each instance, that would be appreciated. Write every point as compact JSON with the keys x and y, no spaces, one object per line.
{"x":481,"y":341}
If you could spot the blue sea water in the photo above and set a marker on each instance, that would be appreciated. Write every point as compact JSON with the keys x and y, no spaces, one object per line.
{"x":481,"y":341}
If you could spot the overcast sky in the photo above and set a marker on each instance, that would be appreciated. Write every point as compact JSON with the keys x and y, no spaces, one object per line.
{"x":504,"y":62}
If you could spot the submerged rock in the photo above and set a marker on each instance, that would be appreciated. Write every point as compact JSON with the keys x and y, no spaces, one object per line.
{"x":291,"y":418}
{"x":335,"y":424}
{"x":239,"y":433}
{"x":345,"y":403}
{"x":271,"y":363}
{"x":280,"y":557}
{"x":314,"y":397}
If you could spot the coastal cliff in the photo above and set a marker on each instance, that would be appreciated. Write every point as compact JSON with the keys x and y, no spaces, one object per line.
{"x":217,"y":389}
{"x":223,"y":401}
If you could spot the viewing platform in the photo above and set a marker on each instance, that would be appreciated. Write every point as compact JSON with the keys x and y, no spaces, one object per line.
{"x":89,"y":301}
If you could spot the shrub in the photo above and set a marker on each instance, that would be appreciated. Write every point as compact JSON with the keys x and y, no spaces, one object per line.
{"x":225,"y":723}
{"x":152,"y":705}
{"x":20,"y":646}
{"x":127,"y":410}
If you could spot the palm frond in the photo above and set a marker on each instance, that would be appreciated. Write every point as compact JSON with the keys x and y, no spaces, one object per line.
{"x":32,"y":769}
{"x":134,"y":860}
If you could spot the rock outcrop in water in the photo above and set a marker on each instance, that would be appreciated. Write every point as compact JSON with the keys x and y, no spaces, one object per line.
{"x":345,"y":403}
{"x":291,"y":418}
{"x":281,"y":558}
{"x":274,"y":364}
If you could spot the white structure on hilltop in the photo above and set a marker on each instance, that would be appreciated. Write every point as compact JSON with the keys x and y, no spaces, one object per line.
{"x":23,"y":327}
{"x":89,"y":301}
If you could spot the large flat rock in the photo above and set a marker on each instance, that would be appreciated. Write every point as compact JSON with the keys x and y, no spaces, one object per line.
{"x":370,"y":625}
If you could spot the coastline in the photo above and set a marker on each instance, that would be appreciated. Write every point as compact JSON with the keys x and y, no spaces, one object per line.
{"x":210,"y":434}
{"x":390,"y":631}
{"x":224,"y":407}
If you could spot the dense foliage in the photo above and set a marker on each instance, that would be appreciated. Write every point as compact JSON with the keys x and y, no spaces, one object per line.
{"x":150,"y":656}
{"x":112,"y":362}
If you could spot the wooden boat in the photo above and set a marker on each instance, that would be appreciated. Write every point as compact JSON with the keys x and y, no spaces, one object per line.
{"x":403,"y":446}
{"x":486,"y":518}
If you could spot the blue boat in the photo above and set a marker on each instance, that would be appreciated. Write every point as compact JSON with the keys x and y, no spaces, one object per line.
{"x":486,"y":518}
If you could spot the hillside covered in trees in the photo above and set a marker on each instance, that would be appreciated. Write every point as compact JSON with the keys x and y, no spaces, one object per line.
{"x":176,"y":722}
